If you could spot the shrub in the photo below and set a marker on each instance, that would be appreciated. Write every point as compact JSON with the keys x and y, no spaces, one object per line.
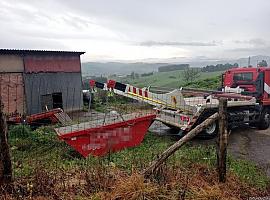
{"x":20,"y":131}
{"x":20,"y":137}
{"x":45,"y":136}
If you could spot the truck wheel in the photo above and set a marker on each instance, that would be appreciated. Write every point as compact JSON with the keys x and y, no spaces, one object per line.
{"x":264,"y":121}
{"x":211,"y":130}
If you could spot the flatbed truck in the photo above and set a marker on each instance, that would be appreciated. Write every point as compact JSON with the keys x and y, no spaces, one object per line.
{"x":247,"y":91}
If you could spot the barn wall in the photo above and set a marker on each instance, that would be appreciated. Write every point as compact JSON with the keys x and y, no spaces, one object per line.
{"x":69,"y":84}
{"x":11,"y":63}
{"x":52,"y":63}
{"x":12,"y":93}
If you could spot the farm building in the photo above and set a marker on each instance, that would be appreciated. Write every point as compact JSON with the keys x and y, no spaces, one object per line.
{"x":32,"y":81}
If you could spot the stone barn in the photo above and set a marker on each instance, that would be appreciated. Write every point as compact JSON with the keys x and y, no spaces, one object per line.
{"x":32,"y":81}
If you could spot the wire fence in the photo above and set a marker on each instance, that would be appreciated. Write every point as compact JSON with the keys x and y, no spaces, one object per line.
{"x":79,"y":145}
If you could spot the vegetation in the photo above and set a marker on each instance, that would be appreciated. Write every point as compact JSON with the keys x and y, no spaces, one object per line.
{"x":133,"y":75}
{"x":208,"y":83}
{"x":47,"y":167}
{"x":169,"y":68}
{"x":263,"y":63}
{"x":219,"y":67}
{"x":173,"y":79}
{"x":147,"y":74}
{"x":191,"y":74}
{"x":97,"y":69}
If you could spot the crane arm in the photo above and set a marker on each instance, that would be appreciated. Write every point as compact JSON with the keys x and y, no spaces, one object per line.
{"x":172,"y":100}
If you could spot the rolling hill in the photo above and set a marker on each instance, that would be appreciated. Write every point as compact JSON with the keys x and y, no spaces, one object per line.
{"x":121,"y":68}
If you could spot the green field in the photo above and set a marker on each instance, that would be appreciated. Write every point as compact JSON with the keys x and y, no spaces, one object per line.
{"x":172,"y":79}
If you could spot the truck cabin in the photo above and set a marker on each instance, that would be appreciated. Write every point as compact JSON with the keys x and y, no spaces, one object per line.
{"x":254,"y":81}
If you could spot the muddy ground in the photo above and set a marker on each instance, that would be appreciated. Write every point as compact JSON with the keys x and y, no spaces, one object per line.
{"x":244,"y":142}
{"x":251,"y":144}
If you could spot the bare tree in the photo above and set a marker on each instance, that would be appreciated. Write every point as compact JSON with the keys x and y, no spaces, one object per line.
{"x":5,"y":159}
{"x":263,"y":63}
{"x":191,"y":74}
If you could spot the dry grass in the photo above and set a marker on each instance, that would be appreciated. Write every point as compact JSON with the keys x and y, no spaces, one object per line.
{"x":197,"y":181}
{"x":118,"y":176}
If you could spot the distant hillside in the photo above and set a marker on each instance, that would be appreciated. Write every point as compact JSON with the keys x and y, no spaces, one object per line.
{"x":175,"y":67}
{"x":172,"y":79}
{"x":242,"y":62}
{"x":110,"y":68}
{"x":97,"y":69}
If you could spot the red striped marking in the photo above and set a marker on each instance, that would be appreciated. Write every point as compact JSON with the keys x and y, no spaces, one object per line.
{"x":140,"y":92}
{"x":185,"y":119}
{"x":145,"y":93}
{"x":134,"y":90}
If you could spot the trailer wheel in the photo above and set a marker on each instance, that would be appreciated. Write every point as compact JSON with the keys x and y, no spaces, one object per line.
{"x":211,"y":130}
{"x":264,"y":121}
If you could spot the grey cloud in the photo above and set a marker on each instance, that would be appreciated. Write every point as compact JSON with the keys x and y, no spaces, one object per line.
{"x":254,"y":41}
{"x":198,"y":44}
{"x":246,"y":52}
{"x":191,"y":25}
{"x":13,"y":42}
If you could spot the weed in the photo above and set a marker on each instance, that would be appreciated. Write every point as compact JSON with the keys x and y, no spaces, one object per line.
{"x":48,"y":168}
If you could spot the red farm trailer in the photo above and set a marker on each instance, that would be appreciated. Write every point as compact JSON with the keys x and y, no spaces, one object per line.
{"x":53,"y":116}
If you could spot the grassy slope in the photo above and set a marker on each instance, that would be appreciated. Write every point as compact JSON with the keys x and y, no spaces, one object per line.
{"x":171,"y":79}
{"x":39,"y":157}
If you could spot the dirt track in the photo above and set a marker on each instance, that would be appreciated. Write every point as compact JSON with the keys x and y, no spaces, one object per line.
{"x":251,"y":144}
{"x":245,"y":143}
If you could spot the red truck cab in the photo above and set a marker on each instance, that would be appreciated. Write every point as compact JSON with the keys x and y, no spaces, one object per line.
{"x":254,"y":81}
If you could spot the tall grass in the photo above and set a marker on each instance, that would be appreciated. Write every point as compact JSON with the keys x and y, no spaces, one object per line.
{"x":48,"y":167}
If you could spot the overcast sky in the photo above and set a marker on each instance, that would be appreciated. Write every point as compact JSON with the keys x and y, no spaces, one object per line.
{"x":138,"y":29}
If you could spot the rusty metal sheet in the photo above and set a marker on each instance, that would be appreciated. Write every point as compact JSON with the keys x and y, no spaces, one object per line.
{"x":11,"y":63}
{"x":53,"y":63}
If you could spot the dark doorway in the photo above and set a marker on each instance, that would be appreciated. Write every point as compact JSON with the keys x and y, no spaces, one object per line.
{"x":57,"y":100}
{"x":50,"y":101}
{"x":46,"y":102}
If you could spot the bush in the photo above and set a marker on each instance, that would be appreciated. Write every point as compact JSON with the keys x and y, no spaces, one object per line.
{"x":45,"y":136}
{"x":20,"y":137}
{"x":20,"y":131}
{"x":209,"y":83}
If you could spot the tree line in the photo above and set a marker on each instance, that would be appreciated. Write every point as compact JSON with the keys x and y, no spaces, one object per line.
{"x":219,"y":67}
{"x":169,"y":68}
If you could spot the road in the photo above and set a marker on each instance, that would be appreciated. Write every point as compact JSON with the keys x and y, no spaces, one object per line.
{"x":251,"y":144}
{"x":244,"y":142}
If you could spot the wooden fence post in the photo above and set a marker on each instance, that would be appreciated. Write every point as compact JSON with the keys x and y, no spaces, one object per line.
{"x":5,"y":158}
{"x":222,"y":140}
{"x":168,"y":152}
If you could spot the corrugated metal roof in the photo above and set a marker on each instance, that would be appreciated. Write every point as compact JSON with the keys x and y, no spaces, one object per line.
{"x":33,"y":52}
